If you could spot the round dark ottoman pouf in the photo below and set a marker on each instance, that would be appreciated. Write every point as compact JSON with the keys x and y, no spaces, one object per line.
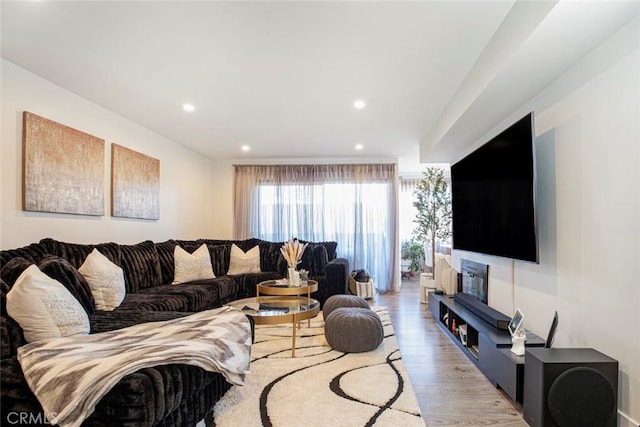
{"x":353,"y":329}
{"x":336,"y":301}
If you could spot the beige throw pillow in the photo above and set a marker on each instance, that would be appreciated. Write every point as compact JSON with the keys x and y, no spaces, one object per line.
{"x":190,"y":267}
{"x":449,"y":280}
{"x":244,"y":262}
{"x":44,"y":308}
{"x":105,"y":279}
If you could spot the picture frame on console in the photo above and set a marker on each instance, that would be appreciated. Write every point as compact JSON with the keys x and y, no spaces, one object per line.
{"x":518,"y":336}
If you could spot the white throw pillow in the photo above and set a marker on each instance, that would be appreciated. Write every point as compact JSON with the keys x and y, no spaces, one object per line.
{"x":441,"y":265}
{"x":105,"y":279}
{"x":449,"y":280}
{"x":44,"y":308}
{"x":189,"y":267}
{"x":244,"y":262}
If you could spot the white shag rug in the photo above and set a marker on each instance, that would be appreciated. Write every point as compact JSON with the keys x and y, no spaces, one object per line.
{"x":320,"y":386}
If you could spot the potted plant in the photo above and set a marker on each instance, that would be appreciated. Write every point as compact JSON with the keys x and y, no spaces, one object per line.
{"x":413,"y":252}
{"x":433,"y":203}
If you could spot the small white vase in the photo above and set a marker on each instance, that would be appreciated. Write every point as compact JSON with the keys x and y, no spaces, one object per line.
{"x":293,"y":277}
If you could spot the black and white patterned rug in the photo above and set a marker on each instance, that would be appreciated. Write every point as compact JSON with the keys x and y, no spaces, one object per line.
{"x":320,"y":387}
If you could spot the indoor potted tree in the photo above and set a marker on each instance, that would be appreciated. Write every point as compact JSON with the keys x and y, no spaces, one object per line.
{"x":433,"y":203}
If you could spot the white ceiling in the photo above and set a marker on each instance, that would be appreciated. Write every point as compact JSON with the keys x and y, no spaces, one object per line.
{"x":281,"y":77}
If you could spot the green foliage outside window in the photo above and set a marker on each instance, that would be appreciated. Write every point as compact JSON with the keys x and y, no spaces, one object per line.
{"x":433,"y":203}
{"x":414,"y":252}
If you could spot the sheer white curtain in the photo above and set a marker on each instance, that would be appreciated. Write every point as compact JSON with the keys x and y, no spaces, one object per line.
{"x":354,"y":205}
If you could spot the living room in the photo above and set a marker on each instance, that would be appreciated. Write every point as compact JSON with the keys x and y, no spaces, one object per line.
{"x":583,"y":86}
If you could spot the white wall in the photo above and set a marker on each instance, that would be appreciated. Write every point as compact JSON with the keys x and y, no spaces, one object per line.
{"x":588,"y":155}
{"x":223,"y":214}
{"x":188,"y":199}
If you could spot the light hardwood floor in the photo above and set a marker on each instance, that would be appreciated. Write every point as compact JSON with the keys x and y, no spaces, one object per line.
{"x":450,"y":389}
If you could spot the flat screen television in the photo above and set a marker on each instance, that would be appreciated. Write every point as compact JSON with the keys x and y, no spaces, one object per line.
{"x":493,"y":192}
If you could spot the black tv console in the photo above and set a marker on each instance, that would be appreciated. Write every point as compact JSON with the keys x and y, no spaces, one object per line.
{"x":487,"y":346}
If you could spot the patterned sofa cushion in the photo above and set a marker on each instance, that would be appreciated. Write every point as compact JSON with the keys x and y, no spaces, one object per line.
{"x":32,"y":253}
{"x":4,"y":290}
{"x":245,"y":245}
{"x":16,"y":395}
{"x":11,"y":333}
{"x":271,"y":259}
{"x":12,"y":269}
{"x":249,"y":281}
{"x":104,"y":321}
{"x":12,"y":337}
{"x":228,"y":289}
{"x":220,"y":258}
{"x":165,"y":259}
{"x":141,"y":266}
{"x":314,"y":259}
{"x":148,"y":301}
{"x":62,"y":271}
{"x":199,"y":295}
{"x":169,"y":395}
{"x":76,"y":253}
{"x":331,"y":248}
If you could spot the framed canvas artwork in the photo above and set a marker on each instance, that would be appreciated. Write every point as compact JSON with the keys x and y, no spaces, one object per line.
{"x":63,"y":168}
{"x":135,"y":184}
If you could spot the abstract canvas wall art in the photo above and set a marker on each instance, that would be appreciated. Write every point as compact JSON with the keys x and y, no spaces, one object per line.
{"x":63,"y":168}
{"x":135,"y":184}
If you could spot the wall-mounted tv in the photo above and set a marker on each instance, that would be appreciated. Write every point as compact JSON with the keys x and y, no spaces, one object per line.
{"x":493,"y":193}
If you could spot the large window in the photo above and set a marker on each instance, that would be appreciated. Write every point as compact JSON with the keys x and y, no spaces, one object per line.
{"x":354,"y":205}
{"x":407,"y":211}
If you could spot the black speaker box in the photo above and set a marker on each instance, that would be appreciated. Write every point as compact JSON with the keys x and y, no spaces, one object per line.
{"x":566,"y":387}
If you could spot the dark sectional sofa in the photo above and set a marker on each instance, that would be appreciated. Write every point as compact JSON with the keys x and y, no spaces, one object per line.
{"x":168,"y":395}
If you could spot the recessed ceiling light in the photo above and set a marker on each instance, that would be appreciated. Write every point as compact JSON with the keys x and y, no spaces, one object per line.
{"x":359,"y":104}
{"x":359,"y":146}
{"x":245,"y":148}
{"x":188,"y":107}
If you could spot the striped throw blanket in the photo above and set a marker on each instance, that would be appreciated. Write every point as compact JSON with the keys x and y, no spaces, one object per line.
{"x":70,"y":375}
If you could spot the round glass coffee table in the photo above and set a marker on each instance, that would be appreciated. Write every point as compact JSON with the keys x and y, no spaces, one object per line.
{"x":278,"y":287}
{"x":281,"y":287}
{"x":273,"y":310}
